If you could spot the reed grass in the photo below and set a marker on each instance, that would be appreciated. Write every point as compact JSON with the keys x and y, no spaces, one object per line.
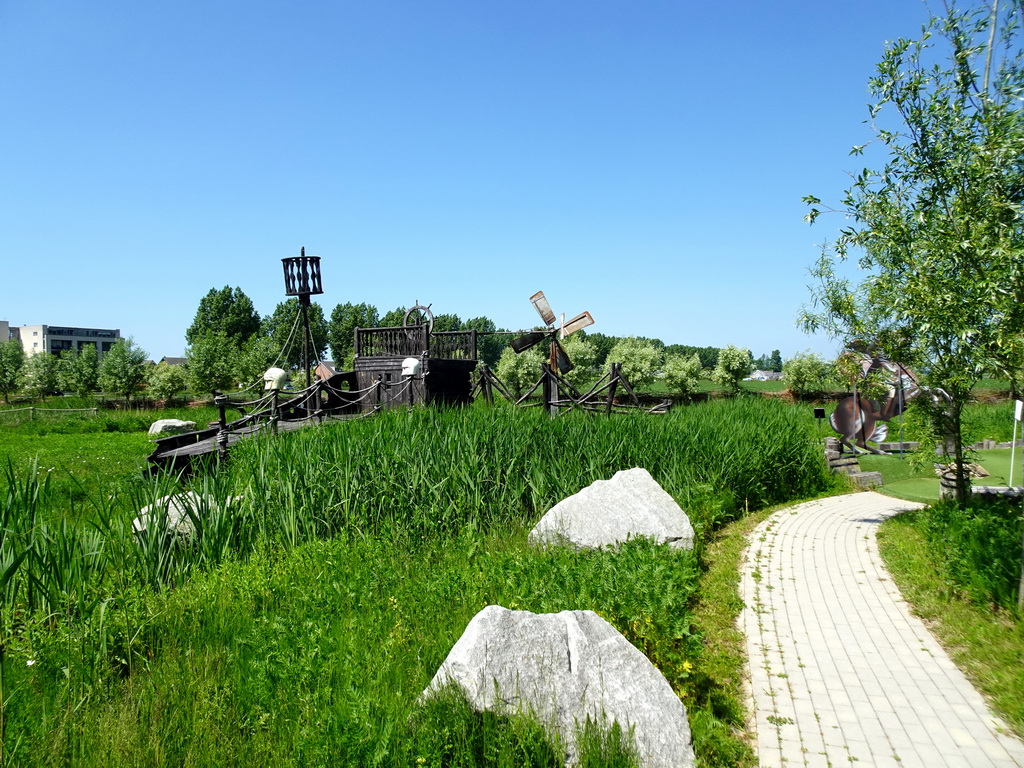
{"x":331,"y":570}
{"x":432,"y":471}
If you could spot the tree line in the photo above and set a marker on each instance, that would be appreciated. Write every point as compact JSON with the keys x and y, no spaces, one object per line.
{"x":227,"y":327}
{"x":230,"y":345}
{"x":122,"y":371}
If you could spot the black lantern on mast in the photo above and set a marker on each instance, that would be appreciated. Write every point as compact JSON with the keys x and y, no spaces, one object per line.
{"x":302,"y":279}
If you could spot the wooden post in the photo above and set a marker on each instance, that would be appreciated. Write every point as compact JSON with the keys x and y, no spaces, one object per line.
{"x":485,"y":383}
{"x":221,"y":401}
{"x":305,"y":337}
{"x":611,"y":389}
{"x":547,"y":396}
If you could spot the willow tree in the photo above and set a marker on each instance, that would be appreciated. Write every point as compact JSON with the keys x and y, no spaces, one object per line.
{"x":934,"y":236}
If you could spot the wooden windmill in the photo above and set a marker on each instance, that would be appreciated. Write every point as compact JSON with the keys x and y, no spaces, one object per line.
{"x":559,"y":359}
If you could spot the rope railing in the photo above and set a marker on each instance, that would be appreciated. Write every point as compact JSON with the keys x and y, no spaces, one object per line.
{"x":264,"y":401}
{"x":33,"y":410}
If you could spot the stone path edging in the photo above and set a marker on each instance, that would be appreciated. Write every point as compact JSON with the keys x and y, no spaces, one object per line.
{"x":840,"y":671}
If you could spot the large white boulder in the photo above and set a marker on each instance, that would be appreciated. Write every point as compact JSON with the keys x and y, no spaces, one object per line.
{"x":563,"y":668}
{"x":630,"y":505}
{"x":163,"y":427}
{"x":175,"y":515}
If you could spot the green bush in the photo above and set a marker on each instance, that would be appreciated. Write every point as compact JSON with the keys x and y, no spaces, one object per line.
{"x":734,"y":365}
{"x":683,"y":374}
{"x":806,"y":373}
{"x":978,"y":548}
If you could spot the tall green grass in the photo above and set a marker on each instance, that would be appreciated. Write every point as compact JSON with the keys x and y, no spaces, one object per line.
{"x":432,"y":471}
{"x":977,"y":549}
{"x":333,"y":568}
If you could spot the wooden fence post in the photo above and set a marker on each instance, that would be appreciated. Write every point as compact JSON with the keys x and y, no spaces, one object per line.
{"x":221,"y":401}
{"x":611,"y":389}
{"x":547,"y":393}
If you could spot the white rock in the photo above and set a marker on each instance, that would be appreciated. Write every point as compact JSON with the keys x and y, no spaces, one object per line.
{"x":176,"y":508}
{"x":607,"y":512}
{"x":563,"y":668}
{"x":170,"y":427}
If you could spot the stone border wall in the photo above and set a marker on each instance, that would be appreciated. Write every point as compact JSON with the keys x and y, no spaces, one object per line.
{"x":848,"y":464}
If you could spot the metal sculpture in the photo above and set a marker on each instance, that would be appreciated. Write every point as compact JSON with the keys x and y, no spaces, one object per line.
{"x":859,"y":420}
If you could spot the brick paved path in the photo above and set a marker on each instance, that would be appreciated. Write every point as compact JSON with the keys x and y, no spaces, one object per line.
{"x":840,"y":672}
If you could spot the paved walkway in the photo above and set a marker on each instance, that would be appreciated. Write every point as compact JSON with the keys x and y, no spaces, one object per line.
{"x":840,"y":672}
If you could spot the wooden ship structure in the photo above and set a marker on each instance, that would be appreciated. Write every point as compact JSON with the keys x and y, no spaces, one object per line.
{"x":395,"y":367}
{"x":414,"y":365}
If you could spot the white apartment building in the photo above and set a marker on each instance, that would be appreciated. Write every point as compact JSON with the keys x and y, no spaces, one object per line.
{"x":55,"y":339}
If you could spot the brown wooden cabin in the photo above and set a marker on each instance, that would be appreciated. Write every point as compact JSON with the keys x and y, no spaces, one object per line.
{"x":447,"y":361}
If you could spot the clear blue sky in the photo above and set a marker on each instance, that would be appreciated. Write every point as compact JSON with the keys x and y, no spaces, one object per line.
{"x":642,"y":160}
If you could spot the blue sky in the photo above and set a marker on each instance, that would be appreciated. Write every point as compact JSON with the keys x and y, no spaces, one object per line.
{"x":642,"y":160}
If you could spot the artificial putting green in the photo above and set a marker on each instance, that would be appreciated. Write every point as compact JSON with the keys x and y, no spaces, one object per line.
{"x":902,"y":479}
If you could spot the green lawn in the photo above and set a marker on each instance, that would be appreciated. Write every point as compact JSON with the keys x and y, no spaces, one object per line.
{"x":913,"y":477}
{"x":985,"y":641}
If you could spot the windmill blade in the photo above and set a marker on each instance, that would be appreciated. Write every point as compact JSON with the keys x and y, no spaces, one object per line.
{"x":527,"y":340}
{"x":560,"y":358}
{"x":543,"y":308}
{"x":581,"y":320}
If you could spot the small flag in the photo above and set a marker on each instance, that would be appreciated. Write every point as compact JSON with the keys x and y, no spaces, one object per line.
{"x":1018,"y":409}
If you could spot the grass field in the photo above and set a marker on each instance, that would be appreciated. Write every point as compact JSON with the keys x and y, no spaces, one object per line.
{"x":959,"y":578}
{"x":314,"y":608}
{"x":913,"y":477}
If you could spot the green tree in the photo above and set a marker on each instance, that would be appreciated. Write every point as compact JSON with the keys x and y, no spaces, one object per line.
{"x":393,"y":319}
{"x":284,"y":327}
{"x":708,"y":355}
{"x":39,"y":375}
{"x":165,"y":382}
{"x":78,"y":370}
{"x":602,"y":344}
{"x":228,"y":311}
{"x":12,"y":360}
{"x":123,"y":369}
{"x":345,"y":318}
{"x":806,"y":373}
{"x":639,"y":359}
{"x":732,"y":367}
{"x":211,"y":363}
{"x":937,"y":228}
{"x":446,"y":322}
{"x":522,"y":371}
{"x":489,"y":345}
{"x":775,"y":361}
{"x":683,"y":374}
{"x":584,"y":360}
{"x":254,"y":358}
